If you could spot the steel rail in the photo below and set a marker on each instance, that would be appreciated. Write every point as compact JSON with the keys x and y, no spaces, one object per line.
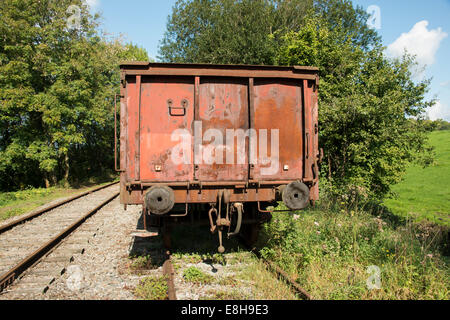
{"x":33,"y":215}
{"x":169,"y":273}
{"x":286,"y":278}
{"x":282,"y":274}
{"x":8,"y":278}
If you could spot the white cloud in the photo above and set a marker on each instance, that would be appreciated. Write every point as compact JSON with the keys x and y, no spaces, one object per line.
{"x":418,"y":41}
{"x":439,"y":111}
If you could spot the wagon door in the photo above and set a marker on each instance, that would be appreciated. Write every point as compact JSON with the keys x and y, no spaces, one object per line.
{"x":278,"y":111}
{"x":223,"y":111}
{"x":166,"y":111}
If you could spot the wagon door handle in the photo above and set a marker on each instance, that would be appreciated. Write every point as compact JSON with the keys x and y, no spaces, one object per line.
{"x":184,"y":106}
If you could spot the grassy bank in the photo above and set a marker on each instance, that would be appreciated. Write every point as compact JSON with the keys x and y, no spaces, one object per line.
{"x":425,"y":193}
{"x":20,"y":202}
{"x":332,"y":254}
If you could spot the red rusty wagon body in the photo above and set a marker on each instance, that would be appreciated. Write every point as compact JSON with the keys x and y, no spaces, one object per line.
{"x":233,"y":138}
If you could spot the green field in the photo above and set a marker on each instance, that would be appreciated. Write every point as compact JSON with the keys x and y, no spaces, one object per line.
{"x":425,"y":192}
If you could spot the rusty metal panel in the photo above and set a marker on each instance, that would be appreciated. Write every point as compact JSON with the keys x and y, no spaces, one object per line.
{"x":167,"y":105}
{"x":309,"y":155}
{"x":132,"y":126}
{"x":209,"y":70}
{"x":315,"y":120}
{"x":278,"y":106}
{"x":123,"y":137}
{"x":209,"y":195}
{"x":223,"y":106}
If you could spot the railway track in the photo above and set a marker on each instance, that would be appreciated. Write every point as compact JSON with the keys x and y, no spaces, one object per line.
{"x":284,"y":276}
{"x":39,"y":212}
{"x":26,"y":241}
{"x":33,"y":248}
{"x":169,"y":274}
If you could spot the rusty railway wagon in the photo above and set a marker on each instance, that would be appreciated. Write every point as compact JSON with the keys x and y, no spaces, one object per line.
{"x":217,"y":143}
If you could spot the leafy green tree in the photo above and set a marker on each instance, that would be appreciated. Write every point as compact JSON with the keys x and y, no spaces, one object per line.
{"x":248,"y":31}
{"x":58,"y":77}
{"x":370,"y":110}
{"x":132,"y":52}
{"x":219,"y":31}
{"x":367,"y":107}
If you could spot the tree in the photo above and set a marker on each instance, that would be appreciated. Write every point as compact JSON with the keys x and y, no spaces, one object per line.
{"x":367,"y":103}
{"x":248,"y":31}
{"x":57,"y":84}
{"x":367,"y":106}
{"x":219,"y":31}
{"x":132,"y":52}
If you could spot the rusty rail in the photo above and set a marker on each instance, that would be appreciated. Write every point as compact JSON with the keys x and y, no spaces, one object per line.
{"x":169,"y":273}
{"x":282,"y":274}
{"x":288,"y":279}
{"x":9,"y":277}
{"x":33,"y":215}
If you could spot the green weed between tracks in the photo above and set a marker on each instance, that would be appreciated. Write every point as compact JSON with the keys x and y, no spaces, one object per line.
{"x":152,"y":288}
{"x":195,"y":275}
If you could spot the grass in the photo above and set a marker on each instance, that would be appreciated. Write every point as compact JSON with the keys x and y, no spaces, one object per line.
{"x":245,"y":277}
{"x":142,"y":263}
{"x":267,"y":285}
{"x":20,"y":202}
{"x":152,"y":288}
{"x":330,"y":255}
{"x":195,"y":275}
{"x":425,"y":193}
{"x":223,"y":295}
{"x":248,"y":279}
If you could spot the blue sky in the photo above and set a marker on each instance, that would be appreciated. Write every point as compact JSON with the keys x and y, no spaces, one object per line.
{"x":422,"y":27}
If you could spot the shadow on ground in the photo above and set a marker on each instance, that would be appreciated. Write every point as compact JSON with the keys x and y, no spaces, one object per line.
{"x":186,"y":240}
